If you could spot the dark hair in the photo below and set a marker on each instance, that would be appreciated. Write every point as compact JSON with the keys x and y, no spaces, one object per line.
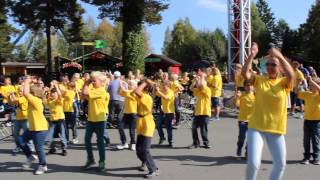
{"x":247,"y":81}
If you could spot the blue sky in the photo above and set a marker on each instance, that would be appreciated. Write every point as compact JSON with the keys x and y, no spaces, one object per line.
{"x":210,"y":14}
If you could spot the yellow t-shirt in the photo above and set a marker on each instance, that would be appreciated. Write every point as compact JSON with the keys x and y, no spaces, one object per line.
{"x":68,"y":99}
{"x":56,"y":109}
{"x":79,"y":85}
{"x":312,"y":105}
{"x":17,"y":87}
{"x":215,"y":84}
{"x":130,"y":102}
{"x":246,"y":106}
{"x":22,"y":108}
{"x":168,"y":104}
{"x":270,"y":114}
{"x":106,"y":104}
{"x":5,"y":92}
{"x":175,"y":85}
{"x":36,"y":119}
{"x":145,"y":122}
{"x":239,"y":80}
{"x":185,"y":80}
{"x":62,"y":87}
{"x":203,"y":104}
{"x":96,"y":104}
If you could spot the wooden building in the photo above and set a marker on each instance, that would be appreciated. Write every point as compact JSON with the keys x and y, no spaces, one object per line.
{"x":153,"y":62}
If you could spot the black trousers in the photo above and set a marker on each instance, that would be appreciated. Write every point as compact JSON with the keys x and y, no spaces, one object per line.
{"x":311,"y":135}
{"x":71,"y":124}
{"x":143,"y":152}
{"x":202,"y":123}
{"x":130,"y":120}
{"x":115,"y":111}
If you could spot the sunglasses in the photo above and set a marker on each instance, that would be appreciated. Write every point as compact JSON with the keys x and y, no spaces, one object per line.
{"x":271,"y":65}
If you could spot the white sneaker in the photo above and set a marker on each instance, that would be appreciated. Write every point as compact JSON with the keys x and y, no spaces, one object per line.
{"x":133,"y":147}
{"x":29,"y":161}
{"x":16,"y":150}
{"x":41,"y":170}
{"x":75,"y":141}
{"x":123,"y":146}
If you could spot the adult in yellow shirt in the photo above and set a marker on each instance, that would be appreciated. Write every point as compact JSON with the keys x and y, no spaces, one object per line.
{"x":202,"y":109}
{"x":96,"y":97}
{"x":38,"y":127}
{"x":69,"y":94}
{"x":215,"y":85}
{"x":245,"y":102}
{"x":5,"y":91}
{"x":311,"y":127}
{"x":55,"y":105}
{"x":298,"y":81}
{"x":238,"y":78}
{"x":269,"y":118}
{"x":145,"y":128}
{"x":130,"y":115}
{"x":168,"y":109}
{"x":21,"y":121}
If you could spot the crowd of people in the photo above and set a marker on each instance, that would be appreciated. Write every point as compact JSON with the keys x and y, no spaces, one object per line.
{"x":102,"y":98}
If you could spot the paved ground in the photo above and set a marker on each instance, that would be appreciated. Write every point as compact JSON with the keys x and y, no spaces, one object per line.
{"x":175,"y":164}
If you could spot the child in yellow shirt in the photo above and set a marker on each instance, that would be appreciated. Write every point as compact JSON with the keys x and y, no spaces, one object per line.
{"x":245,"y":102}
{"x":55,"y":105}
{"x":145,"y":128}
{"x":311,"y":129}
{"x":168,"y":109}
{"x":96,"y":97}
{"x":130,"y":115}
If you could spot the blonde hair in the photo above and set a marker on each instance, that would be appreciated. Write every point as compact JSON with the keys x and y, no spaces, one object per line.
{"x":36,"y":91}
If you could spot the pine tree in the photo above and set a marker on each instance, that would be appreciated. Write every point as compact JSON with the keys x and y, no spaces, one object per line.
{"x":167,"y":41}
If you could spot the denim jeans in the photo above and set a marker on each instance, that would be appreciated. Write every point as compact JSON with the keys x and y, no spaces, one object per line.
{"x":38,"y":138}
{"x":143,"y":152}
{"x":76,"y":107}
{"x":115,"y":109}
{"x":177,"y":109}
{"x":311,"y":132}
{"x":53,"y":127}
{"x":98,"y":128}
{"x":71,"y":124}
{"x":18,"y":125}
{"x":106,"y":133}
{"x":130,"y":120}
{"x":202,"y":123}
{"x":277,"y":147}
{"x":167,"y":118}
{"x":243,"y":127}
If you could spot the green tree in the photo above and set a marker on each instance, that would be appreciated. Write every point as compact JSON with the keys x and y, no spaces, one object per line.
{"x":267,"y":16}
{"x":133,"y":14}
{"x":220,"y":46}
{"x":281,"y":29}
{"x":38,"y":15}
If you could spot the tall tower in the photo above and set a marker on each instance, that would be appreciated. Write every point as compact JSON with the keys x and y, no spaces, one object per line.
{"x":239,"y":32}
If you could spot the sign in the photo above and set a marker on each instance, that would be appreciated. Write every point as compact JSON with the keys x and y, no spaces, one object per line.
{"x":152,"y":60}
{"x":87,"y":43}
{"x":100,"y":44}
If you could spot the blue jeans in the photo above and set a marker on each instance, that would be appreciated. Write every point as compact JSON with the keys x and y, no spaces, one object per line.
{"x":130,"y":120}
{"x":38,"y":138}
{"x":176,"y":107}
{"x":243,"y":127}
{"x":201,"y":122}
{"x":143,"y":152}
{"x":277,"y":147}
{"x":105,"y":133}
{"x":71,"y":124}
{"x":167,"y":118}
{"x":61,"y":125}
{"x":18,"y":125}
{"x":311,"y":132}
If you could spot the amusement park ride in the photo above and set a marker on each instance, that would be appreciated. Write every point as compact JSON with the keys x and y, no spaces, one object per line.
{"x":239,"y":32}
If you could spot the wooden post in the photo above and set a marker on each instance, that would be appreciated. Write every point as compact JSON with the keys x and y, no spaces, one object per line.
{"x":3,"y":70}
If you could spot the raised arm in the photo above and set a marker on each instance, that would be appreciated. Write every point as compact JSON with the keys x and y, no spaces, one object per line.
{"x":85,"y":89}
{"x":247,"y":67}
{"x":313,"y":83}
{"x":26,"y":87}
{"x":139,"y":90}
{"x":158,"y":92}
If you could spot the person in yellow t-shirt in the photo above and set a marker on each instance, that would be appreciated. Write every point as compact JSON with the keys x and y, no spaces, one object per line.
{"x":177,"y":88}
{"x":269,"y":118}
{"x":245,"y":102}
{"x":145,"y":128}
{"x":38,"y":126}
{"x":215,"y":85}
{"x":54,"y":102}
{"x":130,"y":114}
{"x":96,"y":97}
{"x":298,"y":81}
{"x":238,"y":78}
{"x":5,"y":91}
{"x":168,"y":109}
{"x":76,"y":78}
{"x":202,"y":109}
{"x":311,"y":127}
{"x":21,"y":121}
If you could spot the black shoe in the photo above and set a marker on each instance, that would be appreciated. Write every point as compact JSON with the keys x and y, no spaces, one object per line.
{"x":207,"y":146}
{"x":161,"y":141}
{"x":193,"y":146}
{"x":88,"y":164}
{"x":152,"y":174}
{"x":52,"y":151}
{"x":107,"y":142}
{"x":64,"y":152}
{"x":305,"y":161}
{"x":142,"y":167}
{"x":316,"y":162}
{"x":170,"y":145}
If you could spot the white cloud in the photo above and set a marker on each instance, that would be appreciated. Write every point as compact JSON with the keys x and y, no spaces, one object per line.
{"x":218,"y":5}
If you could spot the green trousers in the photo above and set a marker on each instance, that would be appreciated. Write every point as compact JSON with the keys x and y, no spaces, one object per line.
{"x":98,"y":128}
